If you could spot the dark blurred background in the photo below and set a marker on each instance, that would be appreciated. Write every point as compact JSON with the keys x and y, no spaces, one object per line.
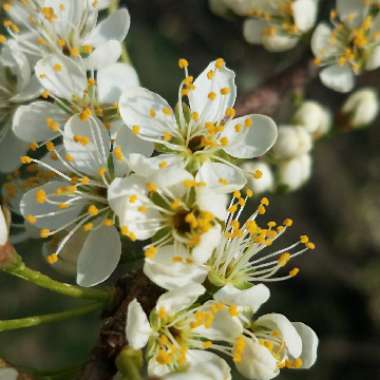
{"x":338,"y":290}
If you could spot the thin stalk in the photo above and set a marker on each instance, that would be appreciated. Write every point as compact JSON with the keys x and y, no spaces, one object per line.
{"x":43,"y":281}
{"x":22,"y":323}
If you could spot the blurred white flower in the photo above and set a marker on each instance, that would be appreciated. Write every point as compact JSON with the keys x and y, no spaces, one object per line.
{"x":293,"y":141}
{"x":204,"y":131}
{"x":361,"y":107}
{"x":42,"y":27}
{"x":4,"y":229}
{"x":276,"y":24}
{"x":315,"y":118}
{"x":75,"y":198}
{"x":8,"y":374}
{"x":18,"y":86}
{"x":259,"y":175}
{"x":351,"y":46}
{"x":295,"y":172}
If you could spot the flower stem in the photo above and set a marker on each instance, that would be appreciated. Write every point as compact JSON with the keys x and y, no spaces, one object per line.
{"x":21,"y":323}
{"x":43,"y":281}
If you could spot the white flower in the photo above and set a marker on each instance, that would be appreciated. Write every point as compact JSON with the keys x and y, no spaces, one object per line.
{"x":362,"y":107}
{"x":277,"y":24}
{"x":76,"y":94}
{"x":240,"y":256}
{"x":315,"y":118}
{"x":260,"y":176}
{"x":42,"y":27}
{"x":204,"y":131}
{"x":8,"y":374}
{"x":18,"y":85}
{"x":169,"y":205}
{"x":293,"y":141}
{"x":177,"y":334}
{"x":295,"y":172}
{"x":4,"y":229}
{"x":350,"y":47}
{"x":76,"y":197}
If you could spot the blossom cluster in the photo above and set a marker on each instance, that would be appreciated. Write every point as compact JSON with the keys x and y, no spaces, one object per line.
{"x":107,"y":163}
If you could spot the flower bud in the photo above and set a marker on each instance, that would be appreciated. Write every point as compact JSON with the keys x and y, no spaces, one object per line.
{"x":295,"y":172}
{"x":259,"y":175}
{"x":218,"y":7}
{"x":293,"y":141}
{"x":4,"y":229}
{"x":315,"y":118}
{"x":7,"y":373}
{"x":361,"y":108}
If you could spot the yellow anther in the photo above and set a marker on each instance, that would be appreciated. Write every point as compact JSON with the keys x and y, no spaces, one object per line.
{"x":249,"y":193}
{"x":150,"y":252}
{"x":93,"y":210}
{"x":44,"y":233}
{"x":132,"y":198}
{"x":69,"y":157}
{"x":52,"y":259}
{"x":248,"y":122}
{"x":264,"y":201}
{"x":183,"y":63}
{"x":288,"y":222}
{"x":26,"y":160}
{"x":124,"y":230}
{"x":294,"y":272}
{"x":85,"y":181}
{"x":231,"y":112}
{"x":136,"y":129}
{"x":63,"y":206}
{"x":49,"y":13}
{"x":189,"y":183}
{"x":83,"y":140}
{"x":233,"y":311}
{"x":142,"y":209}
{"x":162,"y":313}
{"x":237,"y":194}
{"x":195,"y":116}
{"x":40,"y":196}
{"x":167,"y":111}
{"x":31,"y":219}
{"x":167,"y":136}
{"x":237,"y":128}
{"x":163,"y":340}
{"x":108,"y":222}
{"x":304,"y":239}
{"x":210,"y":74}
{"x":87,"y":49}
{"x":152,"y":113}
{"x":151,"y":187}
{"x":88,"y":227}
{"x":74,"y":52}
{"x":225,"y":90}
{"x":211,"y":95}
{"x":85,"y":114}
{"x":297,"y":363}
{"x":177,"y":259}
{"x":284,"y":259}
{"x":176,"y":204}
{"x":33,"y":146}
{"x":57,"y":67}
{"x":164,"y":358}
{"x":223,"y":181}
{"x":207,"y":344}
{"x":261,"y":210}
{"x":310,"y":245}
{"x":91,"y":82}
{"x":7,"y":7}
{"x":258,"y":174}
{"x":52,"y":124}
{"x":102,"y":171}
{"x":118,"y":153}
{"x":224,"y":141}
{"x":3,"y":39}
{"x":220,"y":63}
{"x":45,"y":94}
{"x":50,"y":146}
{"x":163,"y":164}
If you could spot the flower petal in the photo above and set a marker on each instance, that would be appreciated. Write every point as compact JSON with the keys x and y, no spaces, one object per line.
{"x":352,"y":12}
{"x":338,"y":78}
{"x":252,"y":141}
{"x":147,"y":113}
{"x":99,"y":256}
{"x":208,"y":242}
{"x":114,"y":27}
{"x":223,"y":80}
{"x":3,"y":228}
{"x":113,"y":79}
{"x":172,"y":268}
{"x":179,"y":299}
{"x":305,"y":14}
{"x":92,"y":153}
{"x":11,"y":150}
{"x":253,"y":297}
{"x":216,"y":203}
{"x":30,"y":122}
{"x":104,"y":55}
{"x":289,"y":333}
{"x":321,"y":42}
{"x":138,"y":329}
{"x":253,"y":30}
{"x":61,"y":76}
{"x":373,"y":61}
{"x":8,"y":374}
{"x":221,"y":178}
{"x":309,"y":344}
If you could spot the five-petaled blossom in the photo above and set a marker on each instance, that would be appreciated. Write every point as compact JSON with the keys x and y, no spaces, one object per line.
{"x":205,"y":130}
{"x":351,"y":46}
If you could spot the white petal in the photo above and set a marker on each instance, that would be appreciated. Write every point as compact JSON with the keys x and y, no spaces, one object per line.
{"x":129,"y":144}
{"x":31,"y":91}
{"x":11,"y":149}
{"x":61,"y":76}
{"x":172,"y":179}
{"x":373,"y":61}
{"x":257,"y":362}
{"x":99,"y":256}
{"x":137,"y":104}
{"x":30,"y":122}
{"x":293,"y":141}
{"x":295,"y":172}
{"x":112,"y":80}
{"x":216,"y":203}
{"x":221,"y":178}
{"x":114,"y":27}
{"x":309,"y":344}
{"x":179,"y":299}
{"x":279,"y":42}
{"x":104,"y":55}
{"x":321,"y":41}
{"x":8,"y":374}
{"x":213,"y":110}
{"x":208,"y":242}
{"x":265,"y":182}
{"x":167,"y":271}
{"x":289,"y":334}
{"x":338,"y":78}
{"x":3,"y":228}
{"x":138,"y":329}
{"x":305,"y":14}
{"x":253,"y":297}
{"x":253,"y":30}
{"x":88,"y":157}
{"x":51,"y":216}
{"x":352,"y":12}
{"x":253,"y":141}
